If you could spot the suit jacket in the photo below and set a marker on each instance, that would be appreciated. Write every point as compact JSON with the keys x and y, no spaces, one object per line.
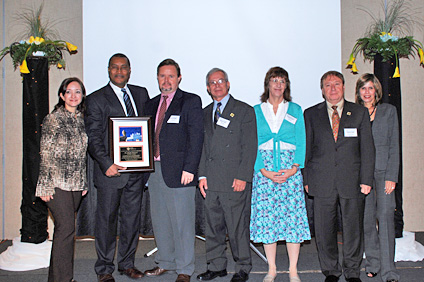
{"x":341,"y":165}
{"x":180,"y":143}
{"x":101,"y":105}
{"x":229,"y":153}
{"x":385,"y":131}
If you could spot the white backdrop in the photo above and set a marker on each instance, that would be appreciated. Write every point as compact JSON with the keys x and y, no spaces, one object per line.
{"x":245,"y":38}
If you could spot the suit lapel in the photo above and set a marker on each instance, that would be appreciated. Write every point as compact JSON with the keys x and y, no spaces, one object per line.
{"x":113,"y":100}
{"x":208,"y":119}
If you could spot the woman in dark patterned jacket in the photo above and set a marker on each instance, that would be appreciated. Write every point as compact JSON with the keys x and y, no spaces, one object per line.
{"x":62,"y":179}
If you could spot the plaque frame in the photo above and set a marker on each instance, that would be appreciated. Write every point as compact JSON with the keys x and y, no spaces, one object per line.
{"x":135,"y":150}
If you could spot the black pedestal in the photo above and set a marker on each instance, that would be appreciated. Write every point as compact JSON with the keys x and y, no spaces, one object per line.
{"x":35,"y":108}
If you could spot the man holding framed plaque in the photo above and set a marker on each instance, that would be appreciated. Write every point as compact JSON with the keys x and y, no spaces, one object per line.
{"x":117,"y":193}
{"x":178,"y":144}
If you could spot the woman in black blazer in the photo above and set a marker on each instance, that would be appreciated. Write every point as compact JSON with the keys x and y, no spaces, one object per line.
{"x":380,"y":203}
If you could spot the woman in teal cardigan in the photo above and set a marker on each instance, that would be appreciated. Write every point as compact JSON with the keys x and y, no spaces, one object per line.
{"x":278,"y":203}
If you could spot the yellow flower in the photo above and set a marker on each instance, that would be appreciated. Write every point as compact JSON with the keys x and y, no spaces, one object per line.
{"x":23,"y":67}
{"x":59,"y":66}
{"x":71,"y":47}
{"x":31,"y":39}
{"x":396,"y":74}
{"x":354,"y":69}
{"x":351,"y":61}
{"x":421,"y":53}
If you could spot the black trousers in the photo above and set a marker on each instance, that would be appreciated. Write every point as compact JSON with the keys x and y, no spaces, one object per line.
{"x":63,"y":207}
{"x":113,"y":204}
{"x":325,"y":217}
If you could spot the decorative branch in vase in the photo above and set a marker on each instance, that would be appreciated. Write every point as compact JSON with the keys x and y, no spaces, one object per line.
{"x":379,"y":40}
{"x":40,"y":42}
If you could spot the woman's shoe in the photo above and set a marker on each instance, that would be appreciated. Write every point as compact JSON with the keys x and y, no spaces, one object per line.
{"x":269,"y":278}
{"x":371,"y":274}
{"x":294,"y":279}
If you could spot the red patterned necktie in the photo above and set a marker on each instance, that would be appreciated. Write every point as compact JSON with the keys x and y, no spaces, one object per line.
{"x":161,"y":116}
{"x":335,"y":120}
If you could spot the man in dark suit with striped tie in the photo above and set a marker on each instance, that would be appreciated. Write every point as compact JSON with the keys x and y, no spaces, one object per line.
{"x":338,"y":171}
{"x":117,"y":194}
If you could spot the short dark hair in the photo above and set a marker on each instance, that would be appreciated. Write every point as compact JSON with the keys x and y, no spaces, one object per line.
{"x":62,"y":90}
{"x":170,"y":62}
{"x":119,"y":55}
{"x":331,"y":73}
{"x":377,"y":86}
{"x":276,"y":72}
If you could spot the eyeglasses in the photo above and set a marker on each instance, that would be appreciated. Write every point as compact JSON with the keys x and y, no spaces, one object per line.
{"x":276,"y":80}
{"x":220,"y":82}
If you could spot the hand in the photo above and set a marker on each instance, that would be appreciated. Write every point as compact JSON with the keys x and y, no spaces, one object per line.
{"x":273,"y":176}
{"x":239,"y":185}
{"x":84,"y":192}
{"x":286,"y":173}
{"x":47,"y":198}
{"x":390,"y":186}
{"x":365,"y":189}
{"x":307,"y":188}
{"x":203,"y":186}
{"x":186,"y":177}
{"x":113,"y":170}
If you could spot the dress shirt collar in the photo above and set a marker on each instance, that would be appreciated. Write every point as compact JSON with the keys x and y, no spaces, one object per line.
{"x":223,"y":102}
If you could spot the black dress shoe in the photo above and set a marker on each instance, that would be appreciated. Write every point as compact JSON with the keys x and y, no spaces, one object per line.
{"x":209,"y":275}
{"x":354,"y":279}
{"x":105,"y":278}
{"x":132,"y":273}
{"x":241,"y":276}
{"x":331,"y":278}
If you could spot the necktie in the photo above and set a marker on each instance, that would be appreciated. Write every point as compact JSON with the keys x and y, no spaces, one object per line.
{"x":161,"y":116}
{"x":335,"y":120}
{"x":128,"y":104}
{"x":217,"y":114}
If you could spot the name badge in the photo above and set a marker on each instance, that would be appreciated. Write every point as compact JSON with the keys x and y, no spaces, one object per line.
{"x":174,"y":119}
{"x":223,"y":122}
{"x":290,"y":118}
{"x":351,"y":132}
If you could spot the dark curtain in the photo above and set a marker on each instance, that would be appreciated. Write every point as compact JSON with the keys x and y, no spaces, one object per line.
{"x":86,"y":213}
{"x":35,"y":108}
{"x":392,"y":95}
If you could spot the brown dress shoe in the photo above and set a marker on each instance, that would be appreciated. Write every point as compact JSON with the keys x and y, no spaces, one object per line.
{"x":105,"y":278}
{"x":132,"y":272}
{"x":183,"y":278}
{"x":156,"y":271}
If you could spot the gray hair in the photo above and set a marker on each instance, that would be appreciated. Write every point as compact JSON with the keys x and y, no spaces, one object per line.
{"x":214,"y":70}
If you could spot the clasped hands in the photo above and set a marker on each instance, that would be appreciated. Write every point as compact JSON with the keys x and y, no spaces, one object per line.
{"x":280,"y":176}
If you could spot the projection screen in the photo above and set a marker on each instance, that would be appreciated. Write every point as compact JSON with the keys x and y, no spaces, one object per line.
{"x":245,"y":38}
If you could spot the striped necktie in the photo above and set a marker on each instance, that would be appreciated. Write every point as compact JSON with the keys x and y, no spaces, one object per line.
{"x":217,"y":114}
{"x":128,"y":104}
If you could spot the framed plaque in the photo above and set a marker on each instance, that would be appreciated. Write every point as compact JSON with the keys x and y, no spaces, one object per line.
{"x":130,"y":142}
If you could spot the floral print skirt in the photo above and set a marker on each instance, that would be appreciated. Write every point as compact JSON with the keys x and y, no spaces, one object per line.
{"x":278,"y":209}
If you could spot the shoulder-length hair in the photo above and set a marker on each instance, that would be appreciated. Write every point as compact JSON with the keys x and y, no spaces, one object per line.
{"x":276,"y":72}
{"x":377,"y":86}
{"x":62,"y":90}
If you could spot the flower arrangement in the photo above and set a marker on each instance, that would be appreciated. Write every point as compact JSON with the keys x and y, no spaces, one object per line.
{"x":379,"y":38}
{"x":39,"y":43}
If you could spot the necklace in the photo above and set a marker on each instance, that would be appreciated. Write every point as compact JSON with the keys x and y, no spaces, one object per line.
{"x":373,"y":111}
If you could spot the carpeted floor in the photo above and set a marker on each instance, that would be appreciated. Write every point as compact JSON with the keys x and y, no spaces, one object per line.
{"x":309,"y":270}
